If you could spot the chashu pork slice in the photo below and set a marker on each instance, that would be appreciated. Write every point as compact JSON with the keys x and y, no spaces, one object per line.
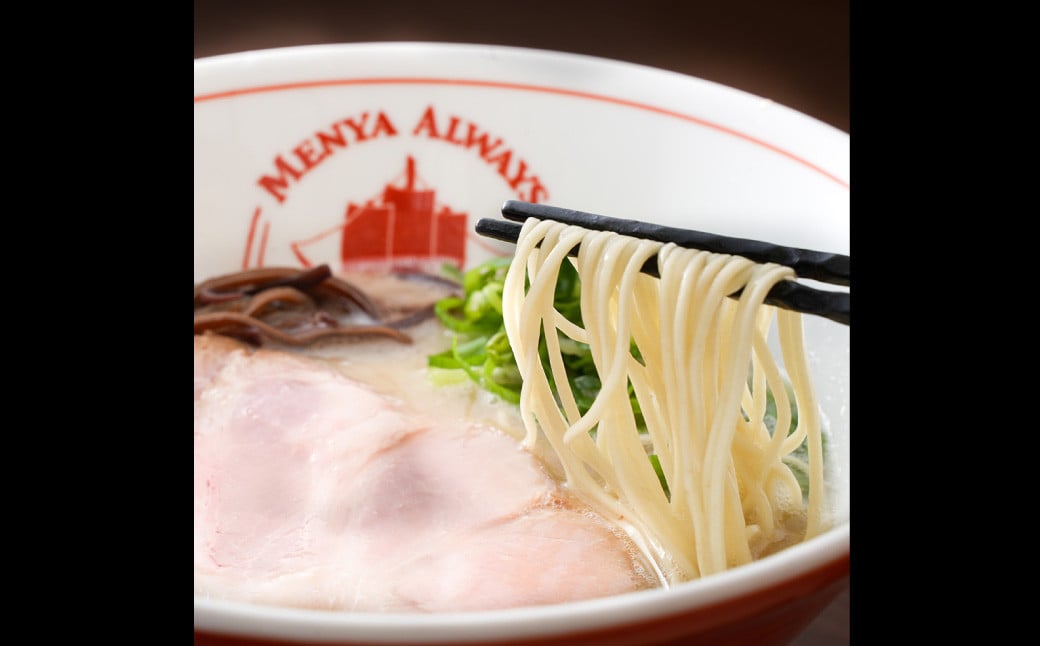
{"x":312,"y":490}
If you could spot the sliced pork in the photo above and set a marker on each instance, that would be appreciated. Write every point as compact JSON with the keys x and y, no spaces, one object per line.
{"x":314,"y":490}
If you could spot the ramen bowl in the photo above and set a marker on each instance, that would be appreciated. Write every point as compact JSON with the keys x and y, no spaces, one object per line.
{"x":364,"y":154}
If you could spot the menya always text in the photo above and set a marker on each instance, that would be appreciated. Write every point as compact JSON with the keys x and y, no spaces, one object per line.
{"x":291,"y":167}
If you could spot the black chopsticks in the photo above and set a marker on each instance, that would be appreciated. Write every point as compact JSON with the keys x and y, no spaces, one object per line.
{"x":824,"y":267}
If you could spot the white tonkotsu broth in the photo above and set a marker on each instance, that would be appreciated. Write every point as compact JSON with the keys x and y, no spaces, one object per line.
{"x":340,"y":476}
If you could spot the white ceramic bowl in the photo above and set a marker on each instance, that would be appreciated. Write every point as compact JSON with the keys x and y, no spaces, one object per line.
{"x":286,"y":138}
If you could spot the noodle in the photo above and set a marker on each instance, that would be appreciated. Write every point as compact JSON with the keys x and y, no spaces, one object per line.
{"x":702,"y":377}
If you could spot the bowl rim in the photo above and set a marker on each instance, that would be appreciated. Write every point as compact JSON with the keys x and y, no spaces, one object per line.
{"x":293,"y":53}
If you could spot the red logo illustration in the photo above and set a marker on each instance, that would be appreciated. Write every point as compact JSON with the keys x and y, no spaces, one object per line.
{"x":403,"y":228}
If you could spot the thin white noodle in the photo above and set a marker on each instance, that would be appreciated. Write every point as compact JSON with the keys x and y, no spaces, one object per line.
{"x":701,"y":381}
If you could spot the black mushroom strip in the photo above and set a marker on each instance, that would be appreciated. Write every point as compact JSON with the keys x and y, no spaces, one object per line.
{"x":294,"y":307}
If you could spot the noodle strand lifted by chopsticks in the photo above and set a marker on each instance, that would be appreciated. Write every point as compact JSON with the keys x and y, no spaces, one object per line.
{"x":701,"y":378}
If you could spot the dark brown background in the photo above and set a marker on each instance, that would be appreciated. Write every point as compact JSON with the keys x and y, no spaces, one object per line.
{"x":795,"y":52}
